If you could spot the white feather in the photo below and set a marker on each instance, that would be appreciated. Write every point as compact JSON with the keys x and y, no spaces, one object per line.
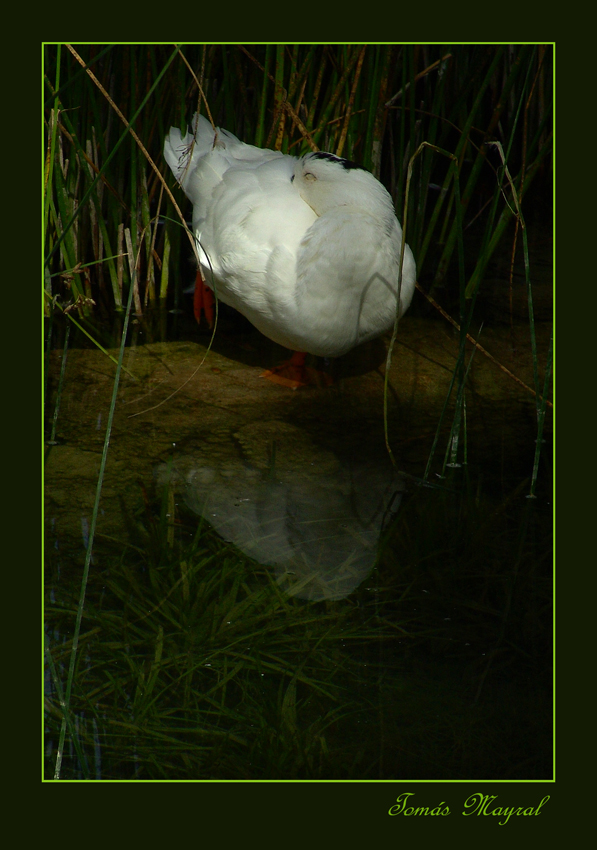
{"x":308,"y":249}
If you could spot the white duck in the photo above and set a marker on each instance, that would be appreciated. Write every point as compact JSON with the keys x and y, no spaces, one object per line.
{"x":308,"y":249}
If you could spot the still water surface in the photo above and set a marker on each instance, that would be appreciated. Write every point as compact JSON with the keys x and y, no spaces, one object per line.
{"x":336,"y":618}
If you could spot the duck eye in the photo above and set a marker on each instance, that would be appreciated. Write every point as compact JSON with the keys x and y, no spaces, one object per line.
{"x":292,"y":179}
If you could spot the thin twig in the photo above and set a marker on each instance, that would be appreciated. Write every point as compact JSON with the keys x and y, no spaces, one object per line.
{"x":478,"y":345}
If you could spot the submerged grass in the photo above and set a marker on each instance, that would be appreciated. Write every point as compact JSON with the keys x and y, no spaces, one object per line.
{"x":193,"y":665}
{"x":190,"y":662}
{"x":193,"y":662}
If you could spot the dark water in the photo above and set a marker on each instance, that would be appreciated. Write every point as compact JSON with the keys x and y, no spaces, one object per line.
{"x":270,"y":597}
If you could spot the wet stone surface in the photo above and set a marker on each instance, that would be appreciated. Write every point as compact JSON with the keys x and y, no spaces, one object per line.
{"x":204,"y":414}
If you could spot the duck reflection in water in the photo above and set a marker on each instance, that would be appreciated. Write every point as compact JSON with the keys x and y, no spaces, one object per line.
{"x":286,"y":503}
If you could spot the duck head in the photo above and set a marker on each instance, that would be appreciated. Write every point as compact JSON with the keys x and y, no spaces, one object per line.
{"x":325,"y":181}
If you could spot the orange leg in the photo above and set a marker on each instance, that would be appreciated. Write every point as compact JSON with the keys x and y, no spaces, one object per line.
{"x":203,"y":301}
{"x":293,"y":373}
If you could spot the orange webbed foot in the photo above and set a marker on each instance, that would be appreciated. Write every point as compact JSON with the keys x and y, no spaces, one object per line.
{"x":294,"y":374}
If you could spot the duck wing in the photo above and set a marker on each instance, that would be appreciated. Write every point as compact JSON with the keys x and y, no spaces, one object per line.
{"x":312,"y":262}
{"x":248,"y":219}
{"x":347,"y":280}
